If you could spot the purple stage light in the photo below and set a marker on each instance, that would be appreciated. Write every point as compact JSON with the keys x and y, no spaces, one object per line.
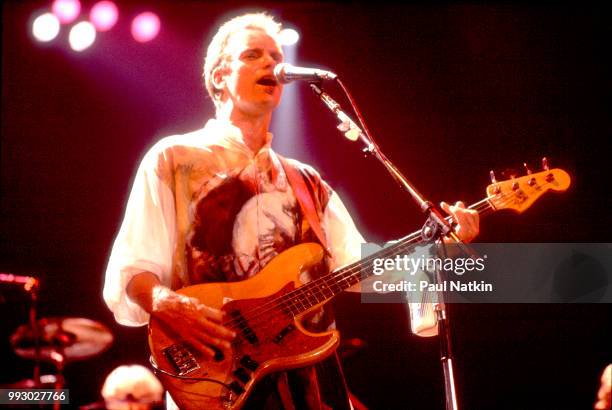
{"x":104,"y":15}
{"x":145,"y":27}
{"x":66,"y":10}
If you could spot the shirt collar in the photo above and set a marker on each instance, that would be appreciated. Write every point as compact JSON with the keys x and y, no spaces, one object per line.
{"x":229,"y":136}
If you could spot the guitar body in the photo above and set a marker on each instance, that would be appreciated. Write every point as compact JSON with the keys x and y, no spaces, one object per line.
{"x":270,"y":338}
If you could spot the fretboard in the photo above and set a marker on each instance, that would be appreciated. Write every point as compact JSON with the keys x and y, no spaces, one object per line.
{"x":326,"y":287}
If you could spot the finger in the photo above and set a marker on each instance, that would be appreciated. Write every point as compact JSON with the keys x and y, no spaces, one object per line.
{"x":472,"y":219}
{"x":460,"y":204}
{"x":218,"y":330}
{"x":467,"y":224}
{"x":211,"y":312}
{"x":190,"y":320}
{"x":206,"y":350}
{"x":446,"y":207}
{"x":213,"y":341}
{"x":187,"y":329}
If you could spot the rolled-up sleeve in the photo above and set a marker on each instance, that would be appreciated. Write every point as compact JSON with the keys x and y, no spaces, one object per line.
{"x":145,"y":242}
{"x":343,"y":238}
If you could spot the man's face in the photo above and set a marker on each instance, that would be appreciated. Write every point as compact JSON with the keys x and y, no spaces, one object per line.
{"x":249,"y":79}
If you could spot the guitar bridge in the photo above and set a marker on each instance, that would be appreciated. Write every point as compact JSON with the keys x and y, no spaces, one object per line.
{"x":181,"y":358}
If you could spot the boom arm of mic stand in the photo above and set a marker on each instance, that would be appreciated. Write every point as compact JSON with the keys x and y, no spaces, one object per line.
{"x":436,"y":226}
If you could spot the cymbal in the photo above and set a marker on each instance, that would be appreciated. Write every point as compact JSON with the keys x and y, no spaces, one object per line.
{"x":46,"y":381}
{"x":62,"y":339}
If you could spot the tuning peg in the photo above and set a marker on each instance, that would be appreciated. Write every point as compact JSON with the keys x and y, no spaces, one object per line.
{"x":515,"y":184}
{"x":550,"y":177}
{"x":532,"y":180}
{"x":492,"y":175}
{"x":494,"y":182}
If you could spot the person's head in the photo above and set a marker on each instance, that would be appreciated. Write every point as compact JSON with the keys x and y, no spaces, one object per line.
{"x":132,"y":387}
{"x":239,"y":63}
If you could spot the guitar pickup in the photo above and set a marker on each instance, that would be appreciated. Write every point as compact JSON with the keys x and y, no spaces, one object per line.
{"x":242,"y":375}
{"x":242,"y":324}
{"x":281,"y":335}
{"x":181,"y":358}
{"x":236,"y":387}
{"x":249,"y":335}
{"x":249,"y":363}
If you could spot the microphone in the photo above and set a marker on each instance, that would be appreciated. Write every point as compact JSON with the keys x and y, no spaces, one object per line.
{"x":286,"y":73}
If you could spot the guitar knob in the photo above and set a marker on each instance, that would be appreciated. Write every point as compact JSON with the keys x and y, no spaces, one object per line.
{"x":545,"y":164}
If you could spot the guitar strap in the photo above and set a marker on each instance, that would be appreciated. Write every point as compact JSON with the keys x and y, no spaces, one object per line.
{"x":304,"y":192}
{"x":304,"y":197}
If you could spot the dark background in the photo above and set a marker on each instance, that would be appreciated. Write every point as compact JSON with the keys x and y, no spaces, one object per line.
{"x":451,"y":90}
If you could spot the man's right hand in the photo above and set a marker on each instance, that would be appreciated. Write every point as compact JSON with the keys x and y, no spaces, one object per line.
{"x":199,"y":325}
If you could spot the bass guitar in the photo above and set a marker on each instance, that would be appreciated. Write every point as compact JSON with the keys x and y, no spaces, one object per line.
{"x":266,"y":311}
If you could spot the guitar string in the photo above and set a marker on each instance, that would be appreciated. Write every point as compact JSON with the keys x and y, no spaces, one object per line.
{"x":346,"y":274}
{"x":254,"y":322}
{"x":484,"y":206}
{"x":288,"y":300}
{"x":345,"y":277}
{"x":292,"y":296}
{"x":355,"y":272}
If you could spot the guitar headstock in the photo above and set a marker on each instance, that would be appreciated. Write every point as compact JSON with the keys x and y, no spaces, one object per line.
{"x":520,"y":193}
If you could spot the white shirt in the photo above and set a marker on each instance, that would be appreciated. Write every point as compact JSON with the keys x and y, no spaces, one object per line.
{"x":204,"y":207}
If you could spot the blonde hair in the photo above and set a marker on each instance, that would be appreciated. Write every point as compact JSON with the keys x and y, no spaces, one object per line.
{"x":216,"y":56}
{"x":131,"y":383}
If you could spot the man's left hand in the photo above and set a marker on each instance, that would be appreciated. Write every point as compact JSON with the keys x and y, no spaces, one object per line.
{"x":468,"y":221}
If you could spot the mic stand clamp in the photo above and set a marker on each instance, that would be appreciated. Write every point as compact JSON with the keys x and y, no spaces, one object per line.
{"x":347,"y":126}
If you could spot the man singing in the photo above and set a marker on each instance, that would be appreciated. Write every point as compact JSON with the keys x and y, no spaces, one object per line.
{"x":216,"y":205}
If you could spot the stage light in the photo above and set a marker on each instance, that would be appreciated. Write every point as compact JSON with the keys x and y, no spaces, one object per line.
{"x":45,"y":27}
{"x":66,"y":10}
{"x":82,"y":35}
{"x":288,"y":37}
{"x":104,"y":15}
{"x":145,"y":27}
{"x":288,"y":123}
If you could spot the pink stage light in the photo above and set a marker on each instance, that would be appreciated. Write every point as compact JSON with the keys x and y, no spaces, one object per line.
{"x":104,"y":15}
{"x":145,"y":27}
{"x":66,"y":10}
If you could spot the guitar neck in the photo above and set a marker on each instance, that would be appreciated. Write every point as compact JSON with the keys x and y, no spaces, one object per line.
{"x":326,"y":287}
{"x":516,"y":194}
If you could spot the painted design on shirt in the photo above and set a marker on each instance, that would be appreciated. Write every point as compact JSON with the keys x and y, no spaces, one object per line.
{"x":241,"y":224}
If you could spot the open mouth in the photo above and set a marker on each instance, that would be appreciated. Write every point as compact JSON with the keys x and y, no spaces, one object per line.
{"x":268,"y":80}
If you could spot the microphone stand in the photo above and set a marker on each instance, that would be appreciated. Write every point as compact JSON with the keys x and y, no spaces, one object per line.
{"x":436,"y":227}
{"x":32,"y":316}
